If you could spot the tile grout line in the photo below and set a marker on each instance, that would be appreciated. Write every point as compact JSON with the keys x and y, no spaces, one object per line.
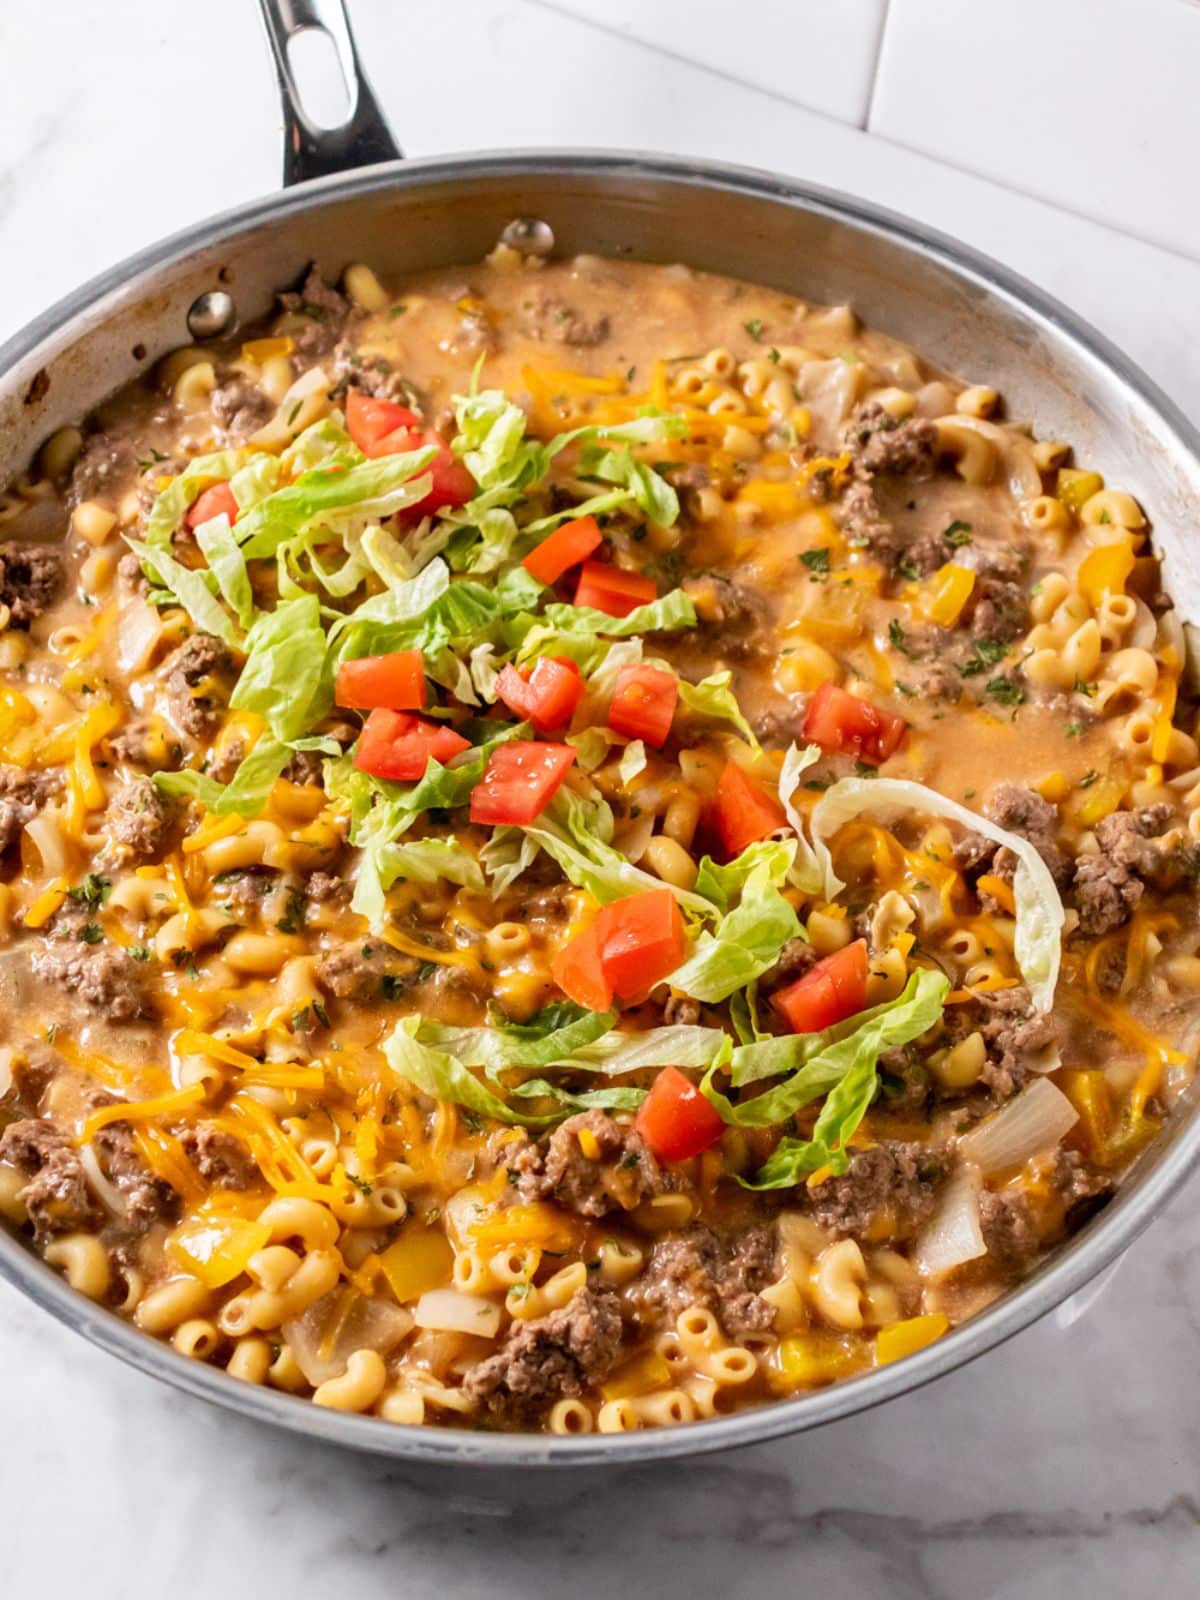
{"x":566,"y":15}
{"x":876,"y":64}
{"x":1119,"y":229}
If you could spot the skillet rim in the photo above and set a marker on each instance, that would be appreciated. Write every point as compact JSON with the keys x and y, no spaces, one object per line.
{"x":1065,"y":1273}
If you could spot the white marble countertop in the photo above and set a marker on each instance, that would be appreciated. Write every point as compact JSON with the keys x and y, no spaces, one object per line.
{"x":1068,"y":1463}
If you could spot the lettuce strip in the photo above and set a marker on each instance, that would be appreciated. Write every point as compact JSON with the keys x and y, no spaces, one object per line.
{"x":1040,"y":914}
{"x":817,"y":1063}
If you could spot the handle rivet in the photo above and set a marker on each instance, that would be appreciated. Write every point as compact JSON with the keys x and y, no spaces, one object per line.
{"x":530,"y":235}
{"x":212,"y":315}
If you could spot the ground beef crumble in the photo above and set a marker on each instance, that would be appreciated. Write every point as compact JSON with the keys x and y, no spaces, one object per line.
{"x":620,"y":1177}
{"x":545,"y":1359}
{"x":697,"y":1268}
{"x":31,"y":578}
{"x":894,"y":1176}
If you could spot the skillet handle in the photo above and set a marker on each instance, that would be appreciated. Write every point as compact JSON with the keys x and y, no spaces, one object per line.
{"x":309,"y":150}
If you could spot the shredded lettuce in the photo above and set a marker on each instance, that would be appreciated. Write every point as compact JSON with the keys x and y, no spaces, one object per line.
{"x":190,"y":589}
{"x":286,"y":679}
{"x":260,"y":477}
{"x":632,"y":762}
{"x":172,"y":503}
{"x":247,"y":791}
{"x":228,"y":566}
{"x":444,"y":1077}
{"x":666,"y":615}
{"x":769,"y":861}
{"x":610,"y":1099}
{"x":1040,"y":915}
{"x":578,"y":834}
{"x":336,"y":496}
{"x":839,"y":1063}
{"x":427,"y":861}
{"x":650,"y":491}
{"x":497,"y":1049}
{"x":808,"y":875}
{"x":714,"y":697}
{"x":745,"y":943}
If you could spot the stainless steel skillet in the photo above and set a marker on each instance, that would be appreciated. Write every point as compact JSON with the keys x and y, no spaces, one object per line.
{"x":961,"y":310}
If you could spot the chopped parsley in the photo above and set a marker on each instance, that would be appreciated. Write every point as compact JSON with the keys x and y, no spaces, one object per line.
{"x":1080,"y":687}
{"x":754,"y":328}
{"x":1074,"y":730}
{"x":91,"y":933}
{"x":1005,"y":690}
{"x":958,"y":534}
{"x":139,"y":952}
{"x":773,"y":355}
{"x":899,"y":638}
{"x":987,"y":653}
{"x":817,"y":561}
{"x":92,"y":892}
{"x":1088,"y":778}
{"x":292,"y":919}
{"x":360,"y":1184}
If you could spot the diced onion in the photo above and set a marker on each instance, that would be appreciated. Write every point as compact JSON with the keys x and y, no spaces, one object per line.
{"x":451,"y":1311}
{"x":953,"y":1234}
{"x":325,"y":1336}
{"x":45,"y":835}
{"x":141,"y":628}
{"x":107,"y":1193}
{"x":1035,"y":1120}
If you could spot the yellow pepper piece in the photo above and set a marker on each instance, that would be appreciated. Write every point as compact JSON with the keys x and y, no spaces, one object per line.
{"x":589,"y":1144}
{"x":46,"y":904}
{"x":1055,"y":786}
{"x":807,"y":1359}
{"x":906,"y":1338}
{"x":1098,"y":801}
{"x":215,"y":1248}
{"x":1074,"y":486}
{"x":1000,"y":891}
{"x":261,"y":350}
{"x":420,"y":1259}
{"x":1089,"y":1093}
{"x":950,"y":589}
{"x":1105,"y":570}
{"x":642,"y":1375}
{"x":535,"y":1223}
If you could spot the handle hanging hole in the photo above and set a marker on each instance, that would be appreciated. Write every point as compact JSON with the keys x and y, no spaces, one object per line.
{"x":317,"y":73}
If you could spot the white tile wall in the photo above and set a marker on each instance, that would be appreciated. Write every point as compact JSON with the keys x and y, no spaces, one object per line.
{"x":1092,"y":104}
{"x":825,"y":60}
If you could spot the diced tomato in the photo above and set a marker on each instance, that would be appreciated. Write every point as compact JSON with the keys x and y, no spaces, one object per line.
{"x":520,"y":779}
{"x":566,"y":547}
{"x":607,"y":588}
{"x":383,"y":428}
{"x":215,"y":502}
{"x":838,"y":720}
{"x":547,"y":697}
{"x":744,"y":811}
{"x":395,"y":744}
{"x":368,"y":420}
{"x":835,"y":989}
{"x":675,"y":1119}
{"x":452,"y":484}
{"x":643,"y":703}
{"x":577,"y":971}
{"x":395,"y":681}
{"x":641,"y":942}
